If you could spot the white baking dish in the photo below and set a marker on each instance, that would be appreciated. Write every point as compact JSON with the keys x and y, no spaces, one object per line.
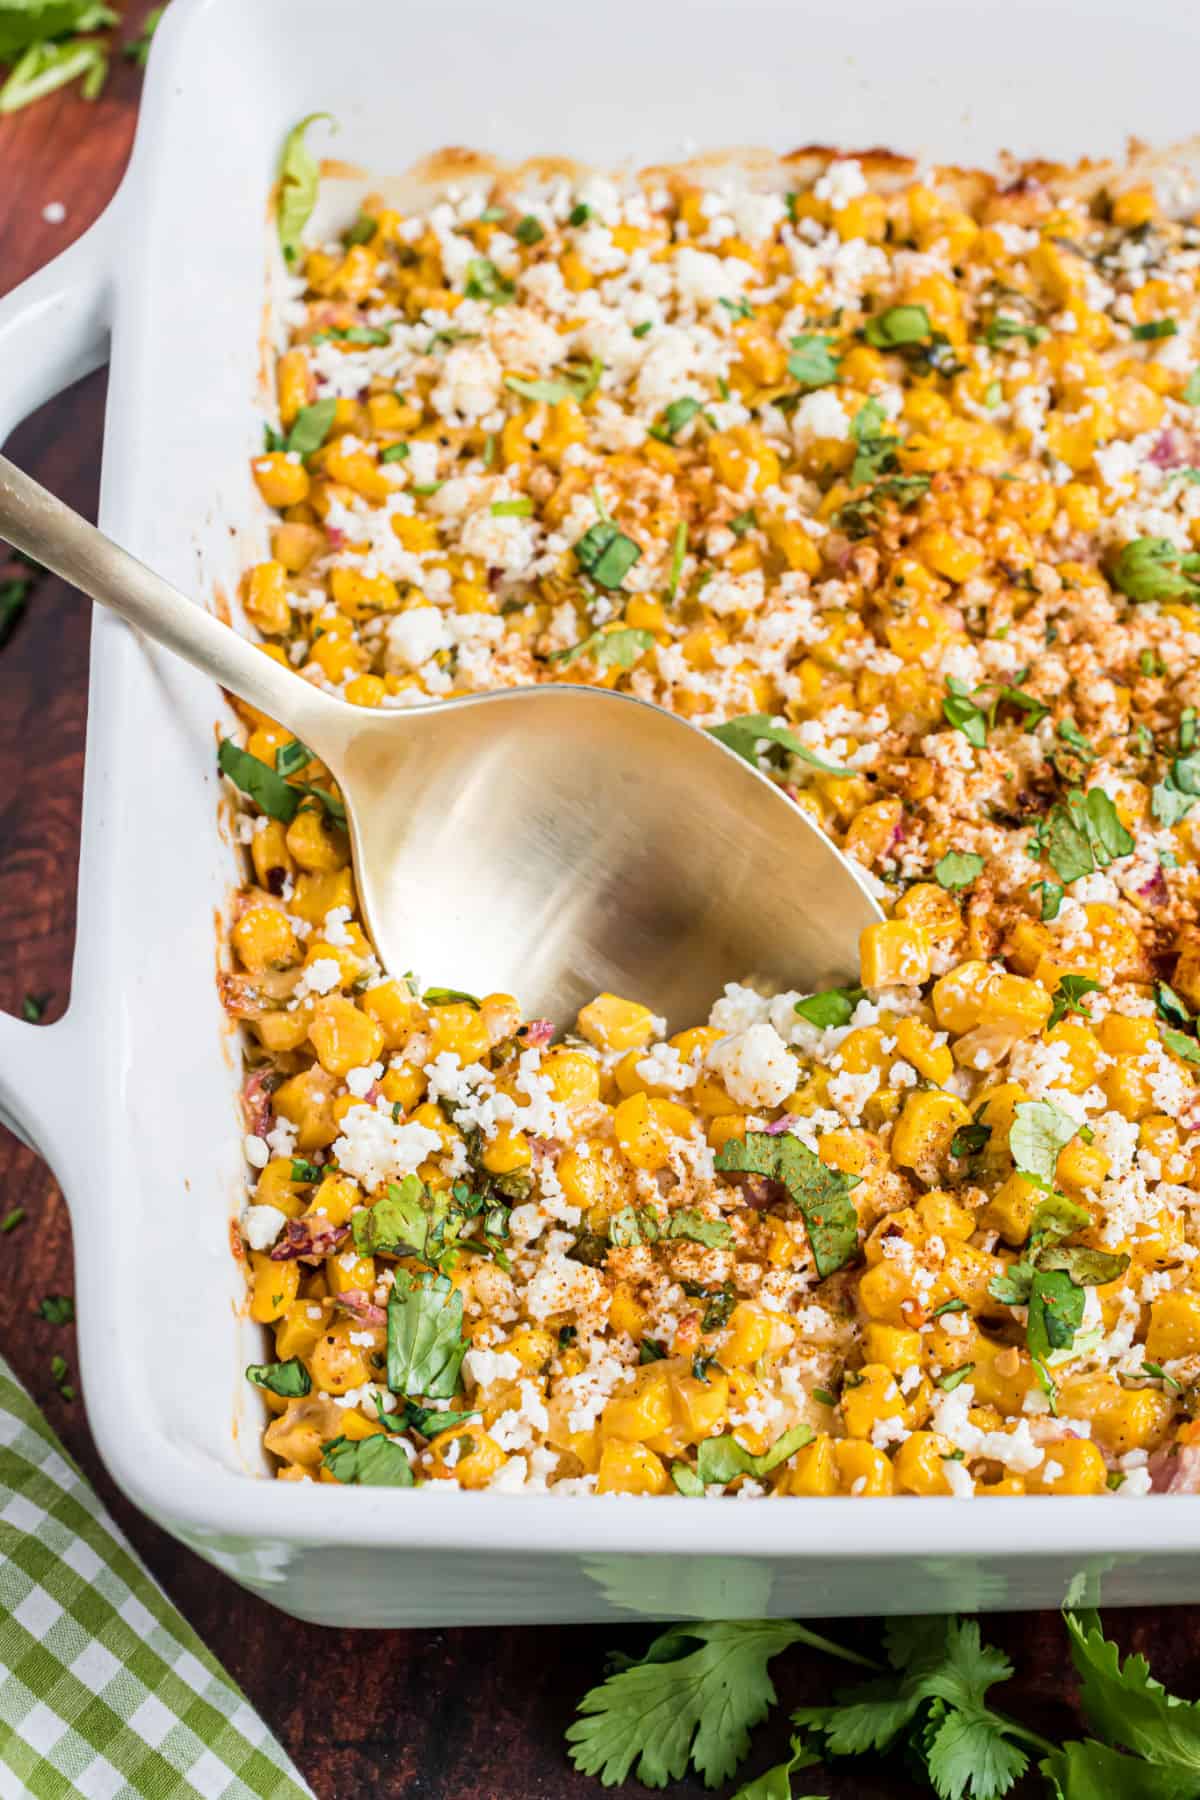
{"x":132,"y":1095}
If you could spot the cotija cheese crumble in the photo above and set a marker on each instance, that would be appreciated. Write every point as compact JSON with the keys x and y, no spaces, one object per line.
{"x":894,"y":481}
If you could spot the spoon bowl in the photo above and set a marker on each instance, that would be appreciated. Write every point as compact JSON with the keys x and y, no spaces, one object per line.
{"x":551,"y":841}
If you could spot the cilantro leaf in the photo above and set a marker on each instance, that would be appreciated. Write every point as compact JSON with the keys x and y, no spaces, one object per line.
{"x":691,"y":1224}
{"x":311,"y":427}
{"x":693,"y":1697}
{"x":1084,"y":1266}
{"x":44,"y":66}
{"x":269,"y":791}
{"x":575,"y":383}
{"x":776,"y":1783}
{"x":958,"y":869}
{"x":1055,"y":1312}
{"x":1125,"y":1705}
{"x":830,"y":1009}
{"x":721,"y":1459}
{"x":1170,"y":1006}
{"x":57,"y":1309}
{"x":606,"y":554}
{"x":1039,"y":1131}
{"x":959,"y":710}
{"x":1187,"y":1047}
{"x":941,"y":1671}
{"x":619,"y":649}
{"x":376,"y":1461}
{"x":290,"y":1379}
{"x":876,"y":452}
{"x":425,"y":1343}
{"x":1081,"y":834}
{"x":898,"y":326}
{"x":678,"y":414}
{"x":821,"y":1194}
{"x":32,"y":21}
{"x":485,"y":282}
{"x":967,"y":1754}
{"x":1169,"y":801}
{"x":398,"y":1224}
{"x":1003,"y":330}
{"x":1068,"y":994}
{"x":745,"y":733}
{"x":1152,"y":568}
{"x":858,"y":517}
{"x":299,"y":178}
{"x":1092,"y":1771}
{"x":811,"y":363}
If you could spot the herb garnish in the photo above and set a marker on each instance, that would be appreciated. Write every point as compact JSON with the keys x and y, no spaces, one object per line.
{"x":830,"y":1009}
{"x":376,"y":1461}
{"x":1153,"y":568}
{"x":898,"y":326}
{"x":425,"y":1343}
{"x":1067,"y":995}
{"x":1081,"y":834}
{"x":811,"y":363}
{"x":290,"y":1379}
{"x":605,"y":554}
{"x":619,"y":649}
{"x":485,"y":282}
{"x":958,"y":869}
{"x":820,"y":1194}
{"x":299,"y":177}
{"x":720,"y":1460}
{"x":745,"y":733}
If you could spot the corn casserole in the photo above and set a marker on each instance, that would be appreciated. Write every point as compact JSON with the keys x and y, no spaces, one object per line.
{"x":891,"y":479}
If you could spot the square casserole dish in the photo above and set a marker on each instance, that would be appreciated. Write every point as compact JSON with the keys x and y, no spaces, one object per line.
{"x":133,"y":1096}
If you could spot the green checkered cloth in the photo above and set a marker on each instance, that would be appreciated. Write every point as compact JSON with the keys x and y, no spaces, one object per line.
{"x":105,"y":1691}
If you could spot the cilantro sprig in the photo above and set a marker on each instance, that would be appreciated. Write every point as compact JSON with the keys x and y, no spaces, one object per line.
{"x":700,"y":1688}
{"x":693,"y":1697}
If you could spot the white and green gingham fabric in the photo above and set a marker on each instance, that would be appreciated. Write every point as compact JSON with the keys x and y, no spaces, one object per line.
{"x":105,"y":1691}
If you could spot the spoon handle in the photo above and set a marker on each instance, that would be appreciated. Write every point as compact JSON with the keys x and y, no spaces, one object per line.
{"x":41,"y":526}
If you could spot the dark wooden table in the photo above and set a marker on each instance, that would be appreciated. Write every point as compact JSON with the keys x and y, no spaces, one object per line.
{"x":448,"y":1715}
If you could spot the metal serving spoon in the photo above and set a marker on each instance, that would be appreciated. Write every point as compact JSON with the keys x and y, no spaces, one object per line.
{"x":551,"y":841}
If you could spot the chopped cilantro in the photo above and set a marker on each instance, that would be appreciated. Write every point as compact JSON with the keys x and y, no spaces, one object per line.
{"x":1153,"y":568}
{"x":528,"y":230}
{"x":606,"y":555}
{"x":1081,"y":834}
{"x":745,"y":733}
{"x":1067,"y":995}
{"x":811,"y":363}
{"x":376,"y":1461}
{"x":290,"y":1379}
{"x":680,"y":413}
{"x":1154,"y":328}
{"x":619,"y":649}
{"x":485,"y":282}
{"x":898,"y":326}
{"x":830,"y":1009}
{"x":958,"y":869}
{"x":819,"y":1193}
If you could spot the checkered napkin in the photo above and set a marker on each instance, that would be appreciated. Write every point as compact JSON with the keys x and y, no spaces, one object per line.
{"x":105,"y":1691}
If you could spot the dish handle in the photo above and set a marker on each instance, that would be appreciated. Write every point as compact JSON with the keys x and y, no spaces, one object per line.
{"x":54,"y":329}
